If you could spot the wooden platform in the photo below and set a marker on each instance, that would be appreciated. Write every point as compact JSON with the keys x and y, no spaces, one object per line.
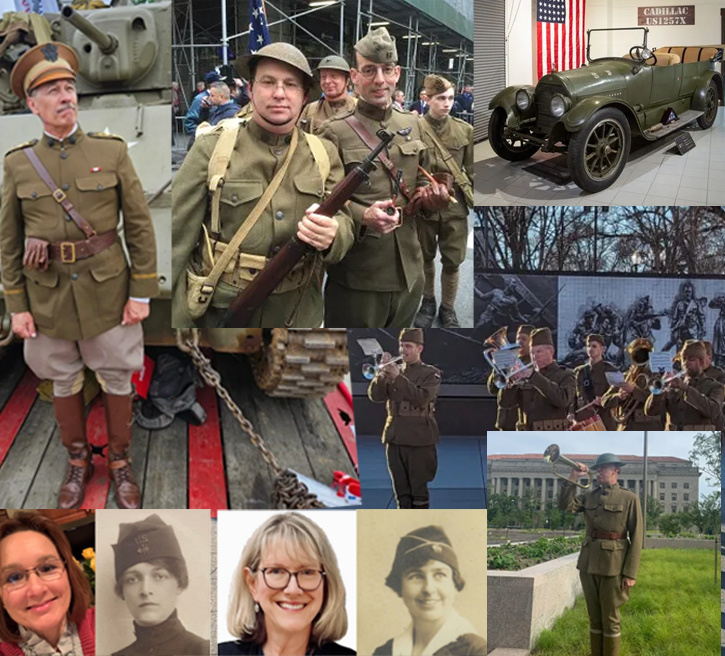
{"x":211,"y":466}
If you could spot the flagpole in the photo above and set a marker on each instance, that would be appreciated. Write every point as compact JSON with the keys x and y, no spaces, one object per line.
{"x":225,"y":37}
{"x":644,"y":496}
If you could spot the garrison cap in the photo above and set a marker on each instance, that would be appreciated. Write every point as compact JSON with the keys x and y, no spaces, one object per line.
{"x":378,"y":46}
{"x":607,"y":459}
{"x":693,"y":348}
{"x":335,"y":63}
{"x":284,"y":52}
{"x":46,"y":62}
{"x":525,"y":328}
{"x":541,"y":337}
{"x":411,"y":335}
{"x":594,"y":337}
{"x":435,"y":84}
{"x":140,"y":542}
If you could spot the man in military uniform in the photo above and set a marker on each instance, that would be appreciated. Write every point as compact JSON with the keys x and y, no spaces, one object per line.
{"x":450,"y":148}
{"x":411,"y":431}
{"x":711,"y":371}
{"x":626,"y":400}
{"x":334,"y":75}
{"x":380,"y":281}
{"x":280,"y":78}
{"x":547,"y":393}
{"x":506,"y":417}
{"x":610,"y":554}
{"x":693,"y":402}
{"x":66,"y":280}
{"x":591,"y":383}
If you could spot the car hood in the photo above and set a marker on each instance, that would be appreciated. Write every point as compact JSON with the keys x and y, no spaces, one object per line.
{"x":600,"y":78}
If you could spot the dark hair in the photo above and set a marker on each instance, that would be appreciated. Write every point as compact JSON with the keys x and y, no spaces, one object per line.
{"x":174,"y":566}
{"x":395,"y":578}
{"x":81,"y":594}
{"x":306,"y":81}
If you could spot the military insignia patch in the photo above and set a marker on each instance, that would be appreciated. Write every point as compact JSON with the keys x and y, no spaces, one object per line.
{"x":142,"y":544}
{"x":405,"y":131}
{"x":437,"y":548}
{"x":50,"y":52}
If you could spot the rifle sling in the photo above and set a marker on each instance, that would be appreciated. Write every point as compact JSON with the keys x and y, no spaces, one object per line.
{"x":58,"y":194}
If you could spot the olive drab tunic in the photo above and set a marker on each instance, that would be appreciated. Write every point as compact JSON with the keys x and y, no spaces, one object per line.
{"x":637,"y":420}
{"x":698,"y":407}
{"x":314,"y":114}
{"x":256,"y":157}
{"x":381,"y":263}
{"x":544,"y":400}
{"x":505,"y":417}
{"x":591,"y":382}
{"x":82,"y":299}
{"x":608,"y":509}
{"x":410,"y":401}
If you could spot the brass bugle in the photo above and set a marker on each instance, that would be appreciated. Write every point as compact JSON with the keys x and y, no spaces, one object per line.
{"x":554,"y":456}
{"x":657,"y":386}
{"x":369,"y":371}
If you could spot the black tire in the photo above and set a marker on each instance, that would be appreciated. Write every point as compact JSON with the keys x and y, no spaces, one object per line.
{"x":712,"y":101}
{"x":598,"y":152}
{"x":503,"y":145}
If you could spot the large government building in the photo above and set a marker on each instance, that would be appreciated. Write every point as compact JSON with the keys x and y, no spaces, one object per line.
{"x":673,"y":481}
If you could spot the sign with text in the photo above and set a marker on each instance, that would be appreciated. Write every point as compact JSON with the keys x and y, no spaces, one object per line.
{"x":673,"y":15}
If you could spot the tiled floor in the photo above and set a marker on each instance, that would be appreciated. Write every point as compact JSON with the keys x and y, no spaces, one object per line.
{"x":653,"y":176}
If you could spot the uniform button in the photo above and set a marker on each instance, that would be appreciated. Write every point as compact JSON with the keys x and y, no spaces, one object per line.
{"x":74,"y":276}
{"x":275,"y":250}
{"x":34,"y":195}
{"x":408,"y":138}
{"x":63,"y":155}
{"x":65,"y":187}
{"x":253,"y":271}
{"x":68,"y":217}
{"x":99,"y":187}
{"x":51,"y":142}
{"x":320,"y":192}
{"x":279,"y":215}
{"x":278,"y":151}
{"x":235,"y":197}
{"x":72,"y":140}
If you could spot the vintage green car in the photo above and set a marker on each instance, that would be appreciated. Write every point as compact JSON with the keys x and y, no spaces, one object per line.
{"x":591,"y":113}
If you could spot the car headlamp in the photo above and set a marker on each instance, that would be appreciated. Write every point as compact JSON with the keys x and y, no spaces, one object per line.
{"x":523,"y":100}
{"x":558,"y":105}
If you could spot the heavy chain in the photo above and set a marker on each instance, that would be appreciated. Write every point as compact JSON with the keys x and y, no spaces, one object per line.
{"x":289,"y":491}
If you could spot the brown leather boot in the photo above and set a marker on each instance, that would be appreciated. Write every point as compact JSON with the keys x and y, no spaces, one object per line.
{"x":119,"y":414}
{"x":610,"y":646}
{"x":595,"y":640}
{"x":70,"y":413}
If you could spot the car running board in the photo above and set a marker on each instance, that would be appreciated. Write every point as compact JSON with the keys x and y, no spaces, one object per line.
{"x":684,"y":119}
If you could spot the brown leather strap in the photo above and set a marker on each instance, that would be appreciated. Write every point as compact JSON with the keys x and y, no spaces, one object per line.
{"x":58,"y":193}
{"x":603,"y":535}
{"x":119,"y":464}
{"x":70,"y":251}
{"x":372,"y":142}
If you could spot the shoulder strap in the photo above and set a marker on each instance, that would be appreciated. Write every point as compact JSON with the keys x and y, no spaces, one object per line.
{"x":320,"y":155}
{"x":217,"y":168}
{"x":58,"y":194}
{"x":231,"y":250}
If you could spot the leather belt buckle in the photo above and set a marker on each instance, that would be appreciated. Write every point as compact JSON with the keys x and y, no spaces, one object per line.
{"x":59,"y":195}
{"x":67,"y":252}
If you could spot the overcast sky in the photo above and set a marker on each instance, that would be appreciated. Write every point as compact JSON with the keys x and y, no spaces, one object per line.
{"x":677,"y":444}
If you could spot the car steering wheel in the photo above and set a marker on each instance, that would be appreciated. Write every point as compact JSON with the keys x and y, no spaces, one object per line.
{"x":636,"y":52}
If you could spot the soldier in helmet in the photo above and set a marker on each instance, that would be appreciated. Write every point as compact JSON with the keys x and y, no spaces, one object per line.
{"x":610,"y":554}
{"x":71,"y":293}
{"x":262,"y":145}
{"x":334,"y":75}
{"x":380,"y":281}
{"x":450,"y":147}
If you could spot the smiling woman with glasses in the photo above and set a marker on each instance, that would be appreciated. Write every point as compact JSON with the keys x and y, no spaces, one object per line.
{"x":45,"y":595}
{"x":287,"y":597}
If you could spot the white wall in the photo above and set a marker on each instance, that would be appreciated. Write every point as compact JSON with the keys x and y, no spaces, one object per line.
{"x":520,"y":54}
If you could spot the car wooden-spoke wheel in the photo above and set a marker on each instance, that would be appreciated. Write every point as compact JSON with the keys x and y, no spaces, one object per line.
{"x":504,"y":143}
{"x":710,"y":110}
{"x":604,"y":149}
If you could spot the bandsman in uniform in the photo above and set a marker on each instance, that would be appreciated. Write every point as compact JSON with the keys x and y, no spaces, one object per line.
{"x":204,"y":224}
{"x":693,"y":402}
{"x":506,"y":417}
{"x":626,"y":401}
{"x":545,"y":397}
{"x":380,"y":281}
{"x":450,"y":149}
{"x":715,"y":373}
{"x":334,"y":75}
{"x":71,"y":293}
{"x":591,"y":383}
{"x":411,"y":432}
{"x":610,"y":554}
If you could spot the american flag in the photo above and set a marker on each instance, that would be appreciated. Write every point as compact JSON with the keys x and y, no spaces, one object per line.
{"x":258,"y":33}
{"x":560,"y":41}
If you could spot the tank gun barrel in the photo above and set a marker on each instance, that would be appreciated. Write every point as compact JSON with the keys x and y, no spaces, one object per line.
{"x":106,"y":42}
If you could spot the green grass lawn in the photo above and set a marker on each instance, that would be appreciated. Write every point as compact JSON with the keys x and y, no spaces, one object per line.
{"x":673,"y":610}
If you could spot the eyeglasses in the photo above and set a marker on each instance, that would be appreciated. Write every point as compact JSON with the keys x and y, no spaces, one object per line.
{"x":16,"y":579}
{"x":370,"y":72}
{"x":278,"y":578}
{"x":270,"y":84}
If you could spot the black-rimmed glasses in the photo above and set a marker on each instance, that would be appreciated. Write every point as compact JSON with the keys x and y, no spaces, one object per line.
{"x":278,"y":578}
{"x":15,"y":579}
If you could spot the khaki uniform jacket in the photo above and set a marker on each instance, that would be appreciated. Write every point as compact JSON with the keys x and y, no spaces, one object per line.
{"x":457,"y":137}
{"x":380,"y":263}
{"x":600,"y":385}
{"x":410,"y":400}
{"x":86,"y":298}
{"x":314,"y":114}
{"x":638,"y":420}
{"x":611,"y":509}
{"x":719,"y":375}
{"x":699,"y":405}
{"x":256,"y":157}
{"x":547,"y":396}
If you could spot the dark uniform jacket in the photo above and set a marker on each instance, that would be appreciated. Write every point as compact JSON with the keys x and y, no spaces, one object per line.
{"x":590,"y":383}
{"x":169,"y":638}
{"x":256,"y":157}
{"x":249,"y":648}
{"x":410,"y":402}
{"x":609,"y":509}
{"x":380,"y":263}
{"x":505,"y":417}
{"x":698,"y":407}
{"x":544,"y":400}
{"x":633,"y":405}
{"x":85,"y":298}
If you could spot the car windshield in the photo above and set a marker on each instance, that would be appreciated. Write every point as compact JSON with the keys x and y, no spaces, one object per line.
{"x":615,"y":42}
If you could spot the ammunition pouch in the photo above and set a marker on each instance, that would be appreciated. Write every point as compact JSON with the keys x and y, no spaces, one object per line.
{"x":550,"y":425}
{"x":407,"y":409}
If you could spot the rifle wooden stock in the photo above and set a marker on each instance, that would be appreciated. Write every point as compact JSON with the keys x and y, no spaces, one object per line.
{"x":266,"y":281}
